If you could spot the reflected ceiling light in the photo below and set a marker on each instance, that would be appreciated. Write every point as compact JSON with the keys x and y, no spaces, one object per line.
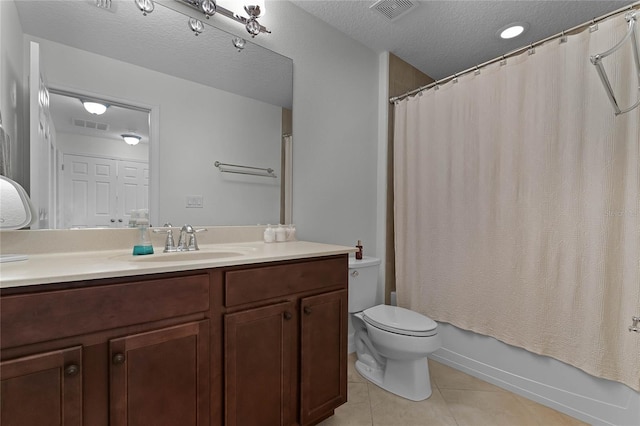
{"x":512,"y":30}
{"x":131,"y":138}
{"x":95,"y":108}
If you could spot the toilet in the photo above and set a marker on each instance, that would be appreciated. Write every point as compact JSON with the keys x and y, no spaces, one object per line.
{"x":392,"y":343}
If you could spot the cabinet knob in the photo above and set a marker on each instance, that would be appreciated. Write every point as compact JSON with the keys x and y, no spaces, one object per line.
{"x":307,"y":310}
{"x":287,"y":315}
{"x":71,"y":370}
{"x":118,"y":359}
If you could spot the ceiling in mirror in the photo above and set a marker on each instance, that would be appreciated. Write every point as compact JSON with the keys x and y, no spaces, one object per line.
{"x":124,"y":33}
{"x":69,"y":116}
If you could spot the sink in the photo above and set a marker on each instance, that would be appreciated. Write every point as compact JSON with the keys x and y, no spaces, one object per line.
{"x":183,"y":256}
{"x":186,"y":256}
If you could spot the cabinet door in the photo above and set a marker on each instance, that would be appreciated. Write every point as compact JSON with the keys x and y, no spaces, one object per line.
{"x":323,"y":358}
{"x":258,"y":365}
{"x":161,"y":377}
{"x":43,"y":389}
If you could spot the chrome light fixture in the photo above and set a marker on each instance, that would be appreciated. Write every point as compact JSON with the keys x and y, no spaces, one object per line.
{"x":95,"y":108}
{"x":253,"y":9}
{"x":239,"y":43}
{"x":131,"y":138}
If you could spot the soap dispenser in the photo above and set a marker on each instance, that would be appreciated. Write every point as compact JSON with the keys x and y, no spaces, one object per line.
{"x":143,"y":239}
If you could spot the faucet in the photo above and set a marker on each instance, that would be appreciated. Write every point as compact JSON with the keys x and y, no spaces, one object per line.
{"x":169,"y":244}
{"x":187,"y":240}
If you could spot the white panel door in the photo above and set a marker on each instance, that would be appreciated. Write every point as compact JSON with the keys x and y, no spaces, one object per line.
{"x":133,"y":188}
{"x":90,"y":192}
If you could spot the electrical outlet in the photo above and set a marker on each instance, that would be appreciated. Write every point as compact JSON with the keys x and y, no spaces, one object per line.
{"x":194,"y":202}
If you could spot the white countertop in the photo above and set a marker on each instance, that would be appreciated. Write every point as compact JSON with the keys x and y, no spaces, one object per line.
{"x":88,"y":265}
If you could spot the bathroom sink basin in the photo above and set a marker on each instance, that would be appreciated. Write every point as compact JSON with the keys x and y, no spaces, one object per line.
{"x":186,"y":256}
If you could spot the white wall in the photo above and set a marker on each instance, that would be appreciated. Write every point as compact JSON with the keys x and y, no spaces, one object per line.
{"x":335,"y":139}
{"x":197,"y":126}
{"x":12,"y":89}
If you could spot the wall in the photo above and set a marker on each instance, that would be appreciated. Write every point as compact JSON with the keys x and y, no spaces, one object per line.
{"x":335,"y":127}
{"x":12,"y":89}
{"x":197,"y":125}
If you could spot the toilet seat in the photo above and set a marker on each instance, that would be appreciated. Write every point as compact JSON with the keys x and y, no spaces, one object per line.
{"x":399,"y":320}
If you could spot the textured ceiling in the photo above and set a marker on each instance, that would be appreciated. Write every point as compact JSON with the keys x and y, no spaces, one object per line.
{"x":445,"y":37}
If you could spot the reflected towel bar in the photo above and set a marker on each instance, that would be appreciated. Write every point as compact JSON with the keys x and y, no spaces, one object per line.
{"x":245,"y":170}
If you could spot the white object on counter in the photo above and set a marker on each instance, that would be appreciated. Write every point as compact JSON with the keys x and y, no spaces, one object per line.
{"x":281,"y":234}
{"x":269,"y":234}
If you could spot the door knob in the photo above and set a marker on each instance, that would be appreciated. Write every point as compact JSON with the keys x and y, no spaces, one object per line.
{"x":287,"y":315}
{"x":307,"y":310}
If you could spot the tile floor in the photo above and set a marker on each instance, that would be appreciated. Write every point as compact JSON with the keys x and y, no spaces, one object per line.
{"x":457,"y":400}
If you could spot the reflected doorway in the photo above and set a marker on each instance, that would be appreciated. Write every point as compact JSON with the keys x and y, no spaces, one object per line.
{"x":100,"y":177}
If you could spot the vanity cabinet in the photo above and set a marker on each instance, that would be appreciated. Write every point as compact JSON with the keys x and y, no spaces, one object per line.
{"x":261,"y":344}
{"x":160,"y":377}
{"x":42,"y":389}
{"x":285,"y":340}
{"x":109,"y":352}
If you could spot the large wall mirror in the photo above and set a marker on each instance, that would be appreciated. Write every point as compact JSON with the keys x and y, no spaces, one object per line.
{"x":203,"y":101}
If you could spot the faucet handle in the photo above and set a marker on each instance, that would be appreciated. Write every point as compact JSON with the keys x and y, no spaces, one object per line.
{"x":169,"y":244}
{"x":193,"y":242}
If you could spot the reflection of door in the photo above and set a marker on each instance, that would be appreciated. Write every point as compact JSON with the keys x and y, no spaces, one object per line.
{"x":101,"y":192}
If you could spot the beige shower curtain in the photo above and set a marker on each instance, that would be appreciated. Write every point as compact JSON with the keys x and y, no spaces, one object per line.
{"x":517,"y":205}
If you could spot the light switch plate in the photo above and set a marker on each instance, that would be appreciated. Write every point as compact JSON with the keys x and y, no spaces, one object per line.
{"x":194,"y":202}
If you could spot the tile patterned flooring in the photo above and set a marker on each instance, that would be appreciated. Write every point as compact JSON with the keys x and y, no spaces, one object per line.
{"x":457,"y":400}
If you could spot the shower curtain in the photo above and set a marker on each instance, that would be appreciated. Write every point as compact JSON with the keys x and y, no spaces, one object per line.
{"x":517,"y":207}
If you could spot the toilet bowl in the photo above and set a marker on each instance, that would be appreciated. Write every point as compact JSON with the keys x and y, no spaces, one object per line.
{"x":392,"y":343}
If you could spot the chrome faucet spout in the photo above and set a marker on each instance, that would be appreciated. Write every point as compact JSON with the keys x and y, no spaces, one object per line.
{"x":188,"y":241}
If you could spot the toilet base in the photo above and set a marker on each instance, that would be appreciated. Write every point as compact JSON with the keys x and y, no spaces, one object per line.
{"x":407,"y":378}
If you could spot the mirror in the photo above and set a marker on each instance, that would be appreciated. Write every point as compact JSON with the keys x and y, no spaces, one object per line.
{"x":208,"y":102}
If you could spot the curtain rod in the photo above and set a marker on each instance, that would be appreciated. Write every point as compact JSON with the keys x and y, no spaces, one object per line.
{"x":516,"y":52}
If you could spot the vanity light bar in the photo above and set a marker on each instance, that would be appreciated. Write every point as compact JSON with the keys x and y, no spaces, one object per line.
{"x":252,"y":23}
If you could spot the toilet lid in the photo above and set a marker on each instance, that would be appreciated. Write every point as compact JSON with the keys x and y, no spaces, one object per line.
{"x":400,"y":320}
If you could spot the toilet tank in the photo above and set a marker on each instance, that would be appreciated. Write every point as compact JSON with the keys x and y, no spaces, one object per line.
{"x":363,"y":283}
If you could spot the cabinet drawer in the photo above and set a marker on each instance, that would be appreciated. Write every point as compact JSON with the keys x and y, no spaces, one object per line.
{"x":38,"y":317}
{"x":252,"y":285}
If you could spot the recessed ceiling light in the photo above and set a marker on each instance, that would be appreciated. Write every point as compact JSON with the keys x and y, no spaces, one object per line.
{"x":512,"y":30}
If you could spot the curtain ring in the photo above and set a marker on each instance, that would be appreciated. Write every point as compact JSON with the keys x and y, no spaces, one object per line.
{"x":477,"y":71}
{"x":455,"y":78}
{"x":503,"y":61}
{"x":532,"y":49}
{"x":563,"y":38}
{"x":594,"y":26}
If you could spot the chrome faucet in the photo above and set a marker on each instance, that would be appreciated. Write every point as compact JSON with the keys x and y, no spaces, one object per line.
{"x":187,"y":240}
{"x":169,"y":244}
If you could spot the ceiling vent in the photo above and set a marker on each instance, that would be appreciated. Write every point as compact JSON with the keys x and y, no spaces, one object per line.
{"x":393,"y":9}
{"x":86,"y":124}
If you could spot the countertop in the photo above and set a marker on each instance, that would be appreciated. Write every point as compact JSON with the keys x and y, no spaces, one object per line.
{"x":88,"y":265}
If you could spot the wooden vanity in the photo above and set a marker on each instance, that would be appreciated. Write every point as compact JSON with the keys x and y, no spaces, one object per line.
{"x":254,"y":344}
